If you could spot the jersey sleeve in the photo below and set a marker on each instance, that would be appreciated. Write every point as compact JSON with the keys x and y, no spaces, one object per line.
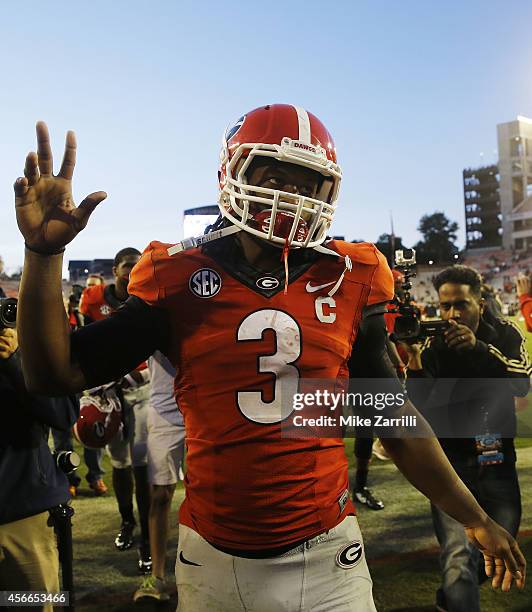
{"x":371,"y":267}
{"x":111,"y":348}
{"x":152,"y":275}
{"x":382,"y":286}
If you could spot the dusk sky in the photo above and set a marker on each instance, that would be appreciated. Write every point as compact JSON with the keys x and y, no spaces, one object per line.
{"x":412,"y":92}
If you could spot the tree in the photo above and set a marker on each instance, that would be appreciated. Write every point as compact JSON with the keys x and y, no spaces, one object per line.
{"x":439,"y":237}
{"x":386,"y":243}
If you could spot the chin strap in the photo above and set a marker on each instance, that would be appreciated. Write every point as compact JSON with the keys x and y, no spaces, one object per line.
{"x":284,"y":258}
{"x":348,"y":268}
{"x":192,"y":243}
{"x":347,"y":262}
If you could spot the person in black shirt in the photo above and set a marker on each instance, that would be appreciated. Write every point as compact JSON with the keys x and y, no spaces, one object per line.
{"x":32,"y":483}
{"x":487,"y":359}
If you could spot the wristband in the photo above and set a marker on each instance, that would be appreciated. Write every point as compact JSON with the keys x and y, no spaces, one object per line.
{"x":44,"y":252}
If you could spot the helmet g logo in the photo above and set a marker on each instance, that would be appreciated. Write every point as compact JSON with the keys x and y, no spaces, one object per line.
{"x":205,"y":283}
{"x":99,"y":430}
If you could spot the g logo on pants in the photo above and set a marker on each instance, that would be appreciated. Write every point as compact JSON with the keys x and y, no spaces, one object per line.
{"x":350,"y":555}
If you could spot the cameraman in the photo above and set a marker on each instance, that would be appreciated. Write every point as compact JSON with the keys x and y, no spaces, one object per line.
{"x":31,"y":481}
{"x":476,"y":345}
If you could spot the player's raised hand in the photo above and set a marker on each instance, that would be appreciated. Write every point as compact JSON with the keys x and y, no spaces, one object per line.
{"x":503,"y":560}
{"x":46,"y":214}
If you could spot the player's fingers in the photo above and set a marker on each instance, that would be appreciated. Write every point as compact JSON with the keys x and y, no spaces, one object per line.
{"x":21,"y":188}
{"x":31,"y":168}
{"x":489,"y":565}
{"x":86,"y":208}
{"x":520,"y":574}
{"x":69,"y":157}
{"x":44,"y":150}
{"x":498,"y":574}
{"x":507,"y":581}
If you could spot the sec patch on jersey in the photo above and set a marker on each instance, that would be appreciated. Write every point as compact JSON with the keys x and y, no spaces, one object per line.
{"x":205,"y":283}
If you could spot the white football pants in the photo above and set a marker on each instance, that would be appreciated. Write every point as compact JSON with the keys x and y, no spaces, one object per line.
{"x":328,"y":573}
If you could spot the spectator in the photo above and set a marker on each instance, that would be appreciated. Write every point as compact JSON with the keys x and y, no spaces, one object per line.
{"x":94,"y":279}
{"x":492,"y":301}
{"x":477,"y":345}
{"x":129,"y":454}
{"x":32,"y":483}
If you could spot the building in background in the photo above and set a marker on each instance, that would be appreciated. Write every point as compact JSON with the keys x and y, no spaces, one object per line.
{"x":482,"y":204}
{"x":79,"y":269}
{"x":515,"y":169}
{"x":196,"y":220}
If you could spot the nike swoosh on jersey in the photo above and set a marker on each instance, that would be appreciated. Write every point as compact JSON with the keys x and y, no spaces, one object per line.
{"x":186,"y":561}
{"x":311,"y":289}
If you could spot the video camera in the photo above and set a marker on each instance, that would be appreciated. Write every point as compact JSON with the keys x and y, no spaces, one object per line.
{"x":408,"y":325}
{"x":67,"y":461}
{"x":8,"y":312}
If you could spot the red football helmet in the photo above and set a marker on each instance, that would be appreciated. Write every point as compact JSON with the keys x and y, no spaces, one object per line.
{"x":100,"y":418}
{"x":291,"y":135}
{"x":398,"y":276}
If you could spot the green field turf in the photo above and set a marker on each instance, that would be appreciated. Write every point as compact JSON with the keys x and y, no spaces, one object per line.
{"x":400,"y":546}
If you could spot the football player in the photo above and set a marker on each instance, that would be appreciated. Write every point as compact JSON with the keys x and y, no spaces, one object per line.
{"x":245,"y":314}
{"x":128,"y":453}
{"x":166,"y":446}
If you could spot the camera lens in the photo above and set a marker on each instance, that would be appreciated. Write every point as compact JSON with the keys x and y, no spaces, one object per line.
{"x":8,"y":312}
{"x":67,"y":461}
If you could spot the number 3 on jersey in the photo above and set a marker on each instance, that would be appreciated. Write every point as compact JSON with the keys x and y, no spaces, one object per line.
{"x":288,"y":344}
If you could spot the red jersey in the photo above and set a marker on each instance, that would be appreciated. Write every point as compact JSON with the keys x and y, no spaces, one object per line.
{"x":236,"y":343}
{"x":525,"y":302}
{"x":93,"y":303}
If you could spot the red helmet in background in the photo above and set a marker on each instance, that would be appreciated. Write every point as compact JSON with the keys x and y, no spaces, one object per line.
{"x":398,"y":276}
{"x":288,"y":134}
{"x":100,"y":418}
